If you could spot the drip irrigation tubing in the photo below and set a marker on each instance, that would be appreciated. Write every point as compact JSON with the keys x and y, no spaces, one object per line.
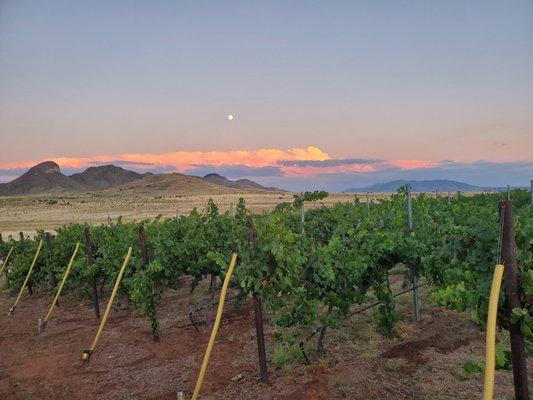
{"x":363,"y":309}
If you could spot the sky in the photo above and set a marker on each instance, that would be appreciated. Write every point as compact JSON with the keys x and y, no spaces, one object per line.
{"x":326,"y":94}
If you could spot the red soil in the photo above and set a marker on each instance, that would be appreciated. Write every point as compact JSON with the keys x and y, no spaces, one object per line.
{"x":127,"y":364}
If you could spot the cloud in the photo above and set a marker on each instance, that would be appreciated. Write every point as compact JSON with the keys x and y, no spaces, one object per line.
{"x":183,"y":160}
{"x":481,"y":173}
{"x":235,"y":171}
{"x":8,"y":174}
{"x":343,"y":168}
{"x":349,"y":165}
{"x":6,"y":177}
{"x":123,"y":162}
{"x":413,"y":164}
{"x":328,"y":163}
{"x":297,"y":168}
{"x":329,"y":166}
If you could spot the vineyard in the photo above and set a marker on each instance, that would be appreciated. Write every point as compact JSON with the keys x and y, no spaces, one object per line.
{"x":309,"y":271}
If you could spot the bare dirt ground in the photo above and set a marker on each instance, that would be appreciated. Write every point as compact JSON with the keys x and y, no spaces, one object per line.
{"x":422,"y":362}
{"x":48,"y":212}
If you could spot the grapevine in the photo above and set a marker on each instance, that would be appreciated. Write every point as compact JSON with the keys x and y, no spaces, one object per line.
{"x":307,"y":275}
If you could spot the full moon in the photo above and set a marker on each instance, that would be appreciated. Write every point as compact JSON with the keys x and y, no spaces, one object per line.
{"x":230,"y":117}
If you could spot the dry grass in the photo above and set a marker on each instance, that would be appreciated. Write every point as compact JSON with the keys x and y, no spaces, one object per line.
{"x":49,"y":212}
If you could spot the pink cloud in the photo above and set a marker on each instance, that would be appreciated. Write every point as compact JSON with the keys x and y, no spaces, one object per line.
{"x":413,"y":164}
{"x":307,"y":161}
{"x":314,"y":170}
{"x":182,"y":160}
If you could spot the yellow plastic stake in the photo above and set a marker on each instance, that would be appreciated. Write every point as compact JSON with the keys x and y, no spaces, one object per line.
{"x":61,"y":284}
{"x":87,"y":353}
{"x":490,"y":359}
{"x":27,"y":277}
{"x":211,"y":343}
{"x":6,"y":260}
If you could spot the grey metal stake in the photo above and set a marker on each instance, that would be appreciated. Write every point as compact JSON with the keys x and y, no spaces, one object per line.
{"x":367,"y":201}
{"x":508,"y":192}
{"x":416,"y":298}
{"x":409,"y":209}
{"x":302,"y":217}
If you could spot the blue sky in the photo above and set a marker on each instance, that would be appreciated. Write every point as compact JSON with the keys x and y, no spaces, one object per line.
{"x":385,"y":80}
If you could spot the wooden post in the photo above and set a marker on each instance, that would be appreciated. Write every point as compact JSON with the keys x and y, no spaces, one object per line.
{"x":512,"y":300}
{"x":146,"y":263}
{"x":2,"y":239}
{"x":530,"y":192}
{"x":144,"y":247}
{"x":416,"y":298}
{"x":21,"y":235}
{"x":508,"y":192}
{"x":48,"y":240}
{"x":90,"y":261}
{"x":258,"y":310}
{"x":367,"y":201}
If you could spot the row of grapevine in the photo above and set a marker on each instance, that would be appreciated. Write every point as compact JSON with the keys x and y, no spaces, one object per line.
{"x":307,"y":272}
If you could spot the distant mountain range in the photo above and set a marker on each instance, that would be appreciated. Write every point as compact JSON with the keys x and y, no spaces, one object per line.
{"x":442,"y":185}
{"x":47,"y":177}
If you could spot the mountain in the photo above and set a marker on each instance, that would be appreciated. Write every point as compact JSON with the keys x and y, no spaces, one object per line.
{"x":47,"y":177}
{"x":44,"y":177}
{"x":442,"y":185}
{"x":175,"y":183}
{"x":238,"y":184}
{"x":106,"y":176}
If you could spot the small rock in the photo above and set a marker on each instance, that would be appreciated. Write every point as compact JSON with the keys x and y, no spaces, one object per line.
{"x":237,"y":377}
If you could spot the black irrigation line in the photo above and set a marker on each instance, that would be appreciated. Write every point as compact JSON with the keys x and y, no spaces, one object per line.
{"x":192,"y":312}
{"x":359,"y":311}
{"x":184,"y":279}
{"x":214,"y":304}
